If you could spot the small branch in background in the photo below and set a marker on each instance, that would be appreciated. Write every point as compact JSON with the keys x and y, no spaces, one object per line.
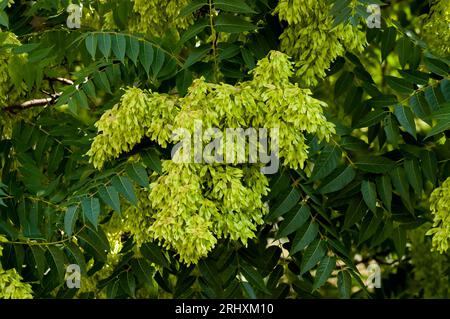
{"x":62,"y":80}
{"x":40,"y":102}
{"x":31,"y":103}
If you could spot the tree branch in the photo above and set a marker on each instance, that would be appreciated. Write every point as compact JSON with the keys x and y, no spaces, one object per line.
{"x":31,"y":103}
{"x":39,"y":102}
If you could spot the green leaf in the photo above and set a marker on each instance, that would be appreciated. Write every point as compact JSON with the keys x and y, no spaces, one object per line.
{"x":326,"y":267}
{"x":101,"y":80}
{"x":374,"y":164}
{"x":384,"y":187}
{"x":138,"y":173}
{"x":89,"y":89}
{"x":404,"y":50}
{"x":340,"y":181}
{"x":312,"y":255}
{"x":355,"y":212}
{"x":399,"y":85}
{"x":414,"y":175}
{"x":104,"y":44}
{"x":434,"y":97}
{"x":372,"y":118}
{"x":440,"y":127}
{"x":91,"y":45}
{"x":160,"y":57}
{"x":151,"y":159}
{"x":388,"y":42}
{"x":369,"y":194}
{"x":70,"y":219}
{"x":382,"y":101}
{"x":143,"y":270}
{"x":111,"y":197}
{"x":293,"y":221}
{"x":437,"y":66}
{"x":344,"y":284}
{"x":399,"y":238}
{"x":401,"y":185}
{"x":184,"y":81}
{"x":420,"y":105}
{"x":442,"y":114}
{"x":233,"y":24}
{"x":391,"y":129}
{"x":429,"y":165}
{"x":196,"y":55}
{"x":55,"y":158}
{"x":238,"y":6}
{"x":39,"y":260}
{"x":304,"y":237}
{"x":253,"y":277}
{"x":368,"y":228}
{"x":133,"y":49}
{"x":4,"y":19}
{"x":124,"y":186}
{"x":415,"y":77}
{"x":128,"y":283}
{"x":153,"y":253}
{"x":91,"y":209}
{"x":343,"y":83}
{"x":119,"y":46}
{"x":193,"y":30}
{"x":192,"y":7}
{"x":406,"y":119}
{"x":94,"y":241}
{"x":58,"y":259}
{"x":327,"y":161}
{"x":146,"y":56}
{"x":78,"y":256}
{"x":286,"y":204}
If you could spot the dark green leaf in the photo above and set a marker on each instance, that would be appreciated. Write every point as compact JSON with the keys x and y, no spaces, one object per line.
{"x":110,"y":196}
{"x":233,"y":24}
{"x":293,"y":221}
{"x":384,"y":187}
{"x":138,"y":173}
{"x":124,"y":186}
{"x":406,"y":119}
{"x":238,"y":6}
{"x":374,"y":164}
{"x":312,"y":255}
{"x":344,"y":284}
{"x":369,"y":194}
{"x":304,"y":237}
{"x":192,"y":7}
{"x":70,"y":219}
{"x":91,"y":209}
{"x":326,"y":267}
{"x":340,"y":181}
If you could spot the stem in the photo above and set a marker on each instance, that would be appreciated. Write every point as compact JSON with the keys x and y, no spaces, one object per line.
{"x":214,"y":41}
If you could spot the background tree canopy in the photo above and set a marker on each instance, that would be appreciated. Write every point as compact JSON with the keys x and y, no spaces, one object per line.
{"x":358,"y":88}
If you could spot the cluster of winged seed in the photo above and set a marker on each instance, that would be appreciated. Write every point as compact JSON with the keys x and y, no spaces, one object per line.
{"x":192,"y":205}
{"x":311,"y":39}
{"x":440,"y":208}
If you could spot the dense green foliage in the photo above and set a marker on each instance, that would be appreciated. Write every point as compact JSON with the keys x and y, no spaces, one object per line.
{"x":87,"y":178}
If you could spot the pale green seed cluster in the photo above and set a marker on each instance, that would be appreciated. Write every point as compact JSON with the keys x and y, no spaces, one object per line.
{"x":437,"y":28}
{"x":311,"y":39}
{"x":192,"y":205}
{"x":156,"y":17}
{"x":11,"y":285}
{"x":10,"y":88}
{"x":137,"y":115}
{"x":440,"y":208}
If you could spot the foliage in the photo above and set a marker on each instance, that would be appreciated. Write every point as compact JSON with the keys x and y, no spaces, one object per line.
{"x":88,"y":178}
